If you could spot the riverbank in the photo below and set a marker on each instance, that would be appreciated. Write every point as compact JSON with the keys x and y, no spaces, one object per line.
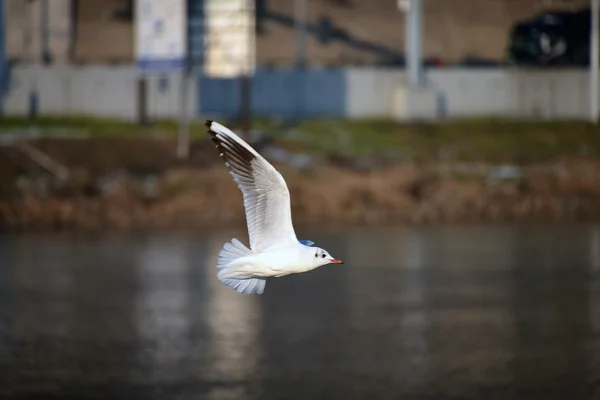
{"x":338,"y":175}
{"x":433,"y":194}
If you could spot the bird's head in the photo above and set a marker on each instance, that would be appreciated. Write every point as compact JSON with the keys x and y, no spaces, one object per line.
{"x":321,"y":257}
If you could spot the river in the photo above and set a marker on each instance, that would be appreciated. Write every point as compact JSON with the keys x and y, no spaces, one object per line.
{"x":502,"y":312}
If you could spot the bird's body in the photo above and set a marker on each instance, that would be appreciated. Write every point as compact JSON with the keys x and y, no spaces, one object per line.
{"x":274,"y":262}
{"x":274,"y":249}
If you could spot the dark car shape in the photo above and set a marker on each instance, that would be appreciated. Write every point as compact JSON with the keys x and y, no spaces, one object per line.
{"x":551,"y":38}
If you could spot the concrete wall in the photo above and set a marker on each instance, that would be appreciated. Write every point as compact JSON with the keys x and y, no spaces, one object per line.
{"x":369,"y":91}
{"x":93,"y":91}
{"x":514,"y":92}
{"x":107,"y":91}
{"x":471,"y":92}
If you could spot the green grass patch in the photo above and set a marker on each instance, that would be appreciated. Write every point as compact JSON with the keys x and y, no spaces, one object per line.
{"x":481,"y":139}
{"x":458,"y":140}
{"x":98,"y":127}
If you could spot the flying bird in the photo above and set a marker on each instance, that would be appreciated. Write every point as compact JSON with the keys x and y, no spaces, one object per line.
{"x":275,"y":250}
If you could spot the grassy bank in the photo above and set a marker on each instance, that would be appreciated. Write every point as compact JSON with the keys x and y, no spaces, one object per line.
{"x":488,"y":140}
{"x":375,"y":172}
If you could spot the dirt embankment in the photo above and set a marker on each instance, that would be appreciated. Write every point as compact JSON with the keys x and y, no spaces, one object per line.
{"x":205,"y":197}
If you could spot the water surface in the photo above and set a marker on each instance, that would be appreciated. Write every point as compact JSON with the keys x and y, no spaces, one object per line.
{"x":424,"y":313}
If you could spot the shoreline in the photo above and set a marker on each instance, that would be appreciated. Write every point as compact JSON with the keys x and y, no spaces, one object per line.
{"x":203,"y":199}
{"x":341,"y":173}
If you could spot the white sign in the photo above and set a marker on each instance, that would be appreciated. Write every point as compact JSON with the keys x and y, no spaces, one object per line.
{"x":160,"y":35}
{"x":404,"y":5}
{"x":230,"y":38}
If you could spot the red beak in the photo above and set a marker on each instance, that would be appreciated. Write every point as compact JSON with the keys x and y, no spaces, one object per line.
{"x":336,"y":261}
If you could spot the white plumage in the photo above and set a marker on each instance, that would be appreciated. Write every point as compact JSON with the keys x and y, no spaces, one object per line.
{"x":274,"y":248}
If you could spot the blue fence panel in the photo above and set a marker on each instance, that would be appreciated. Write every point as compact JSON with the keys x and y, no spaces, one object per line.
{"x":325,"y":92}
{"x":277,"y":93}
{"x":219,"y":96}
{"x":283,"y":92}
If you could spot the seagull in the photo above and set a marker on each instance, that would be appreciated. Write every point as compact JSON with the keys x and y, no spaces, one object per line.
{"x":274,"y":251}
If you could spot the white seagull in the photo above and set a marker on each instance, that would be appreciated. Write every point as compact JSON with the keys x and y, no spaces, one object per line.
{"x":274,"y":249}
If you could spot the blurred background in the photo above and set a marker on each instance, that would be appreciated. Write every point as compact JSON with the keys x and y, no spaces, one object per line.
{"x":447,"y":151}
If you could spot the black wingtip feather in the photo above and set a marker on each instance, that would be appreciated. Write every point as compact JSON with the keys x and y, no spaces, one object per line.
{"x":236,"y":157}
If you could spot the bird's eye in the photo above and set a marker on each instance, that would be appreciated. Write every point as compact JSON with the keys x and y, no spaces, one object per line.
{"x":316,"y":254}
{"x":323,"y":255}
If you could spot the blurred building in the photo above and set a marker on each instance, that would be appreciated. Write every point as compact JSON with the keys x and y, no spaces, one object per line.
{"x":104,"y":31}
{"x":368,"y":34}
{"x":341,"y":32}
{"x":27,"y":23}
{"x":89,"y":31}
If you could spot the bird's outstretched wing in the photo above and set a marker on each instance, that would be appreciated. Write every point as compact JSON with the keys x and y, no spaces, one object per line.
{"x":266,"y":195}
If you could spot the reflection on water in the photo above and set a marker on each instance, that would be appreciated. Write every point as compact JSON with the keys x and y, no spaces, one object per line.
{"x":234,"y":322}
{"x":441,"y":313}
{"x":163,"y":309}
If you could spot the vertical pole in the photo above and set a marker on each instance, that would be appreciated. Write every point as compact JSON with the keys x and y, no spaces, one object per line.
{"x":183,"y":138}
{"x":414,"y":45}
{"x":45,"y":32}
{"x":245,"y":76}
{"x":2,"y":33}
{"x":594,"y":62}
{"x":183,"y":142}
{"x":300,"y":11}
{"x":141,"y":100}
{"x":3,"y":72}
{"x":73,"y":32}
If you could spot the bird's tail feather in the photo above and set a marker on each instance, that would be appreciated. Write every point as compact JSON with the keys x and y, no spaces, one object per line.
{"x":233,"y":275}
